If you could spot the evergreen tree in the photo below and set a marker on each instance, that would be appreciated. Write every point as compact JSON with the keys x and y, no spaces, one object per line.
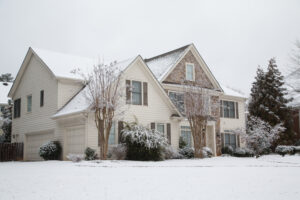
{"x":6,"y":77}
{"x":7,"y":123}
{"x":268,"y":101}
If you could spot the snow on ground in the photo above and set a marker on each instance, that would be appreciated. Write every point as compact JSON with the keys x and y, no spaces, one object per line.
{"x":269,"y":177}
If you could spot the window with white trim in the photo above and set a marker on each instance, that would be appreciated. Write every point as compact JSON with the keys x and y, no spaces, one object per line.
{"x":186,"y":134}
{"x":160,"y":127}
{"x":29,"y":103}
{"x":229,"y":109}
{"x":189,"y":69}
{"x":230,"y":140}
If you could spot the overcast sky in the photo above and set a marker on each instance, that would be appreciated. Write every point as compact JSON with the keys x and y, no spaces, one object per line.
{"x":233,"y":37}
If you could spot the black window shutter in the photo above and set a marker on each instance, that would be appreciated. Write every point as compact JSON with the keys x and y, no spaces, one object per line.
{"x":120,"y":128}
{"x":238,"y":140}
{"x":145,"y":91}
{"x":42,"y":98}
{"x":237,"y":109}
{"x":169,"y":132}
{"x":128,"y":92}
{"x":221,"y":108}
{"x":152,"y":126}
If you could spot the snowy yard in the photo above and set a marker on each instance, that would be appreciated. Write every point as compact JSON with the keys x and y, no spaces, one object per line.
{"x":269,"y":177}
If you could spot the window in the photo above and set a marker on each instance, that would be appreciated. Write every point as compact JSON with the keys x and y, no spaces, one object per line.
{"x":229,"y":109}
{"x":230,"y":140}
{"x":29,"y":103}
{"x":186,"y":135}
{"x":136,"y":93}
{"x":189,"y":72}
{"x":2,"y":108}
{"x":42,"y":98}
{"x":112,"y":134}
{"x":178,"y":100}
{"x":160,"y":127}
{"x":17,"y":108}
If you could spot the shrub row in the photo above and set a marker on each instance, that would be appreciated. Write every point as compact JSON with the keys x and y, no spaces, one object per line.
{"x":283,"y":150}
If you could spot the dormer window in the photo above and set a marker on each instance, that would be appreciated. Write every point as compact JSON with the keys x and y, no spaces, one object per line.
{"x":189,"y":69}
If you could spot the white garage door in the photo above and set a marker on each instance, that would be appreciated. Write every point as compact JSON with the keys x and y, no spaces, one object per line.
{"x":75,"y":140}
{"x":33,"y":144}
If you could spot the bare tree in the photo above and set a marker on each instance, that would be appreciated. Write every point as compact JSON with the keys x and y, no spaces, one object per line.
{"x":292,"y":79}
{"x":198,"y":107}
{"x":104,"y":95}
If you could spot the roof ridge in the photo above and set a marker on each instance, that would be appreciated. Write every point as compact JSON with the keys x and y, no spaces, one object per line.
{"x":167,"y":53}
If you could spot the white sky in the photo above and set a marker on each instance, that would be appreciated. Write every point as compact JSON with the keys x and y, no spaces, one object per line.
{"x":233,"y":37}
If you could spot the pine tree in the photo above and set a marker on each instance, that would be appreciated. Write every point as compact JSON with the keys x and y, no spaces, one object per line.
{"x":268,"y":101}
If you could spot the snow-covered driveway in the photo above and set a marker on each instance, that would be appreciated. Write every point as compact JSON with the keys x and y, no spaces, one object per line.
{"x":269,"y":177}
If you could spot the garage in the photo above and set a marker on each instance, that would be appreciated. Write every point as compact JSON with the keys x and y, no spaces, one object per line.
{"x":75,"y":140}
{"x":33,"y":144}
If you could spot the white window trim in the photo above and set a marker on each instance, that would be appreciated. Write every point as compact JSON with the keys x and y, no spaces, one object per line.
{"x":27,"y":103}
{"x":234,"y":102}
{"x":186,"y":64}
{"x":142,"y":91}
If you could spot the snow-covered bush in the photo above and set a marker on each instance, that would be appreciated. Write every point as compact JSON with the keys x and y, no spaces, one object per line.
{"x":261,"y":135}
{"x":75,"y":157}
{"x":297,"y":143}
{"x":182,"y":143}
{"x":283,"y":150}
{"x":243,"y":152}
{"x":297,"y":149}
{"x":117,"y":152}
{"x":143,"y":143}
{"x":171,"y":153}
{"x":227,"y":150}
{"x":51,"y":150}
{"x":207,"y":152}
{"x":187,"y":152}
{"x":90,"y":154}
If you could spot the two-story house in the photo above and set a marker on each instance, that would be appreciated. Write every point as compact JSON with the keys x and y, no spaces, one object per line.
{"x":49,"y":102}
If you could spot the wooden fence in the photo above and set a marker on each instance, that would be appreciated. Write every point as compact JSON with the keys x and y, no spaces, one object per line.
{"x":11,"y":151}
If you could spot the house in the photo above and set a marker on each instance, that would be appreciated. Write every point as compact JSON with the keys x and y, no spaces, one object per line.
{"x":49,"y":102}
{"x":4,"y":100}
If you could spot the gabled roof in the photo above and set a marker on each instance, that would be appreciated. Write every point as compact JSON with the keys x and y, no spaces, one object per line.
{"x":79,"y":103}
{"x":4,"y":89}
{"x":230,"y":91}
{"x":60,"y":65}
{"x":161,"y":64}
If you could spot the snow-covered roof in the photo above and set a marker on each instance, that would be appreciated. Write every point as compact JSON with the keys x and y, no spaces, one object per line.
{"x":232,"y":91}
{"x":4,"y":89}
{"x":161,"y":64}
{"x":62,"y":64}
{"x":79,"y":102}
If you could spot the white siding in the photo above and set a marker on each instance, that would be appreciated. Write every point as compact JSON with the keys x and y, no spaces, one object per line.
{"x":66,"y":90}
{"x":35,"y":78}
{"x":157,"y":111}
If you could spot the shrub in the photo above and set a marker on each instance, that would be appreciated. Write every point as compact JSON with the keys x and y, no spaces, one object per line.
{"x":187,"y":152}
{"x":182,"y":143}
{"x":207,"y":152}
{"x":243,"y":152}
{"x":117,"y":152}
{"x":283,"y":150}
{"x":51,"y":150}
{"x":144,"y":144}
{"x":170,"y":153}
{"x":75,"y":157}
{"x":227,"y":150}
{"x":297,"y":149}
{"x":90,"y":154}
{"x":297,"y":143}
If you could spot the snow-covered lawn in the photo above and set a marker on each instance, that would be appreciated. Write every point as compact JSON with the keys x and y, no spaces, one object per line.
{"x":269,"y":177}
